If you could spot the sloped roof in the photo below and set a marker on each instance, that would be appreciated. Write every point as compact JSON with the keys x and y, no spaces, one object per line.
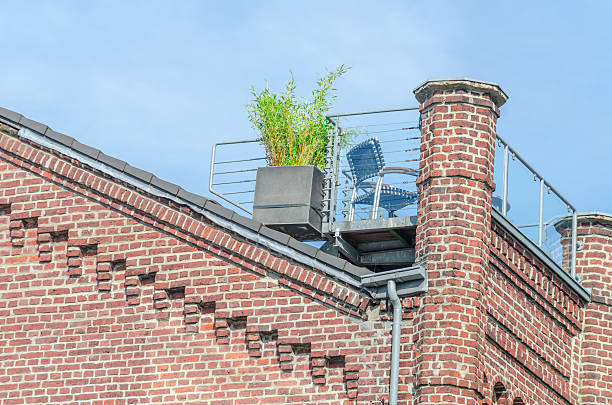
{"x":223,"y":217}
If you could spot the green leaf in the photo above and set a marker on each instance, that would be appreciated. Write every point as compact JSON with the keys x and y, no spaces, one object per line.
{"x":294,"y":131}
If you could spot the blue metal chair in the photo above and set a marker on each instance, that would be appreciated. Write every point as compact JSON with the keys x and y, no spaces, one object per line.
{"x":366,"y":161}
{"x":498,"y":202}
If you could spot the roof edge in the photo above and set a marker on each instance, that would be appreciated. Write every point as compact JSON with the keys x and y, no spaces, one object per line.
{"x":584,"y":293}
{"x":226,"y":218}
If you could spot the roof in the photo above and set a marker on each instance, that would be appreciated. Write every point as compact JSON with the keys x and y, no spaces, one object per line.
{"x":223,"y":217}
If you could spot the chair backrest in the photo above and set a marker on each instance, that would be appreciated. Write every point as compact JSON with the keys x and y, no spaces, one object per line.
{"x":365,"y":160}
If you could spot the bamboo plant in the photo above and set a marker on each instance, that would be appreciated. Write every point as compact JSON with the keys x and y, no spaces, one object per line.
{"x":294,"y":131}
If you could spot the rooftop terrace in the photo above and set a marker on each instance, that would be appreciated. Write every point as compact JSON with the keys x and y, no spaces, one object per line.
{"x":370,"y":197}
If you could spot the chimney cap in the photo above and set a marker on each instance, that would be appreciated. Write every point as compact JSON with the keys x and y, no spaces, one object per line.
{"x":426,"y":90}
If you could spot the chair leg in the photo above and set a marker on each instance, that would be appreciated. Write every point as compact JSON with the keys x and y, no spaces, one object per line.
{"x":376,"y":201}
{"x":351,"y":214}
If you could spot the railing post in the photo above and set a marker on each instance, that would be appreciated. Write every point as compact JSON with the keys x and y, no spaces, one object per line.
{"x":327,"y":187}
{"x":212,"y":167}
{"x":346,"y":199}
{"x":540,"y":222}
{"x":505,"y":195}
{"x":574,"y":236}
{"x":334,"y":177}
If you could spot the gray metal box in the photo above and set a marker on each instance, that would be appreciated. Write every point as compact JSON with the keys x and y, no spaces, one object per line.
{"x":289,"y":199}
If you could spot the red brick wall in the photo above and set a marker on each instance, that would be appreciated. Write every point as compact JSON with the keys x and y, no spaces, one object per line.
{"x":533,"y":326}
{"x":108,"y":295}
{"x":594,"y":264}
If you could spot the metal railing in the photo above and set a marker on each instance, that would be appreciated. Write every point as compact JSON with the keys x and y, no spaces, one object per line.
{"x":349,"y":193}
{"x":534,"y":206}
{"x":233,"y":178}
{"x":527,"y":200}
{"x":234,"y":164}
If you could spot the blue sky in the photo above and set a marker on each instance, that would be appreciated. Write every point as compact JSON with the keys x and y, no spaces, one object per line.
{"x":156,"y":83}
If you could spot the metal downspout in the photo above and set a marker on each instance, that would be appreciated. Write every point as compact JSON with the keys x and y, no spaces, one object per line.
{"x":395,"y":341}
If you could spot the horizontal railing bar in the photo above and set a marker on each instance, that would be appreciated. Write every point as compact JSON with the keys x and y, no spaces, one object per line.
{"x":233,"y":182}
{"x":392,"y":140}
{"x":361,"y":160}
{"x":515,"y":153}
{"x":390,"y":130}
{"x":532,"y":225}
{"x":330,"y":116}
{"x":236,"y":171}
{"x":238,"y":161}
{"x":380,"y":125}
{"x":388,"y":139}
{"x":373,"y":166}
{"x":233,"y":142}
{"x":240,"y":192}
{"x":401,"y":161}
{"x":384,"y":140}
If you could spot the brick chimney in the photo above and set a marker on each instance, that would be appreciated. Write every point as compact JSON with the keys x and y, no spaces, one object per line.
{"x":594,"y":264}
{"x":455,"y":184}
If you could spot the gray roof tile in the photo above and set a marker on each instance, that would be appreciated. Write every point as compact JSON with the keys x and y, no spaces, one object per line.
{"x":10,"y":115}
{"x":112,"y":162}
{"x":303,"y":247}
{"x":33,"y":125}
{"x":247,"y":222}
{"x":59,"y":137}
{"x":85,"y":149}
{"x":275,"y":235}
{"x":220,"y":210}
{"x":168,"y":187}
{"x":356,"y":270}
{"x":331,"y":260}
{"x":138,"y":173}
{"x":196,"y":199}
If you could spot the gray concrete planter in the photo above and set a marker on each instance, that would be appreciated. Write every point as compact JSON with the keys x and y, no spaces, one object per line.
{"x":289,"y":199}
